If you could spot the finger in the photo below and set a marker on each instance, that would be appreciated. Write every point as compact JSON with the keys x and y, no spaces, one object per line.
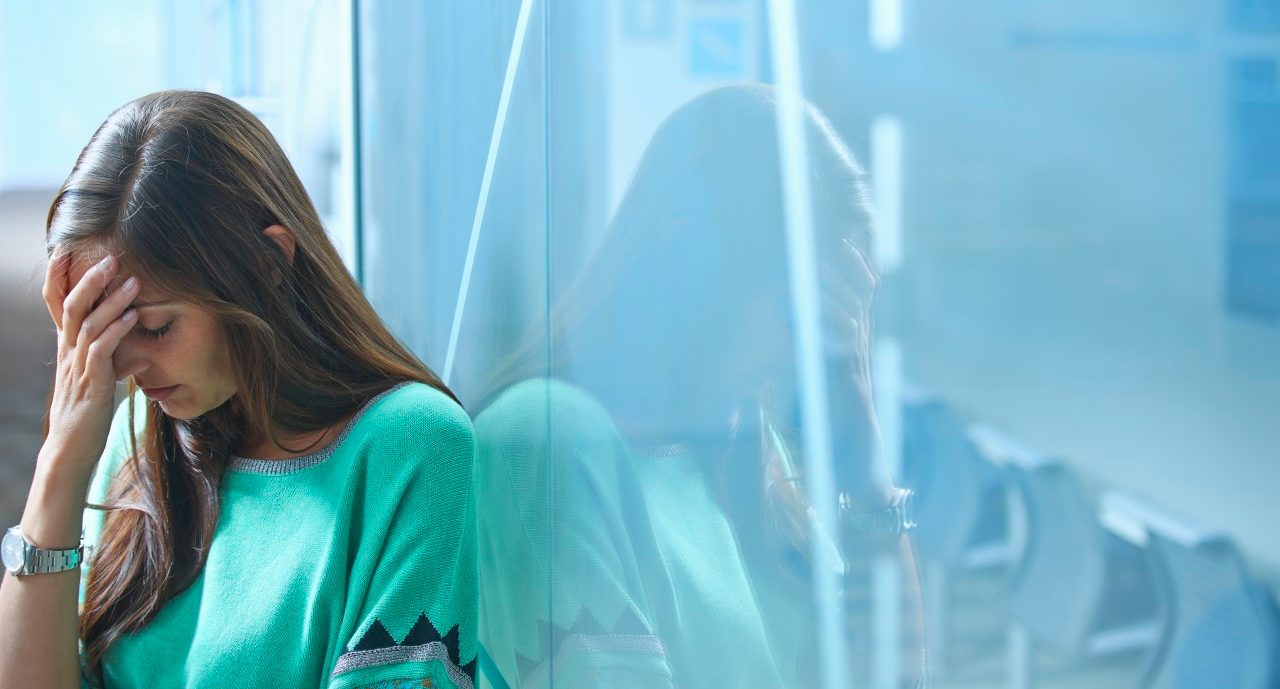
{"x":108,"y":311}
{"x":835,"y":286}
{"x":99,"y":352}
{"x":55,"y":286}
{"x":79,"y":302}
{"x":864,"y":274}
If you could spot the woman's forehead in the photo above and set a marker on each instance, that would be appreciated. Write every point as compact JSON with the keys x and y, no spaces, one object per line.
{"x":87,"y":257}
{"x":81,"y":260}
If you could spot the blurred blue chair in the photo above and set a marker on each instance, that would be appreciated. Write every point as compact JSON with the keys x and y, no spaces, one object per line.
{"x":1223,"y":631}
{"x":960,"y":507}
{"x":1078,"y":589}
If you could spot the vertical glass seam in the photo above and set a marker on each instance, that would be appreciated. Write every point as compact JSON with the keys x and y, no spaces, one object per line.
{"x":810,"y":364}
{"x":357,"y":147}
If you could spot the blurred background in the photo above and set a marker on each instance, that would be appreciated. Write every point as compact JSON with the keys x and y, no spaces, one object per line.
{"x":1075,"y":345}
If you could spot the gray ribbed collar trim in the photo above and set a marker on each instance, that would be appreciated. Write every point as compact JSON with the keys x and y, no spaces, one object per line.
{"x":278,"y":467}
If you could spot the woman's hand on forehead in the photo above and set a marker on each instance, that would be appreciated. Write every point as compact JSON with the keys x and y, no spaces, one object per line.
{"x":112,"y":286}
{"x":84,"y":260}
{"x":81,"y":262}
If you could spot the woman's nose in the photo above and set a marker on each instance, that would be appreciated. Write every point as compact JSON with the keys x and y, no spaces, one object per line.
{"x":128,"y":359}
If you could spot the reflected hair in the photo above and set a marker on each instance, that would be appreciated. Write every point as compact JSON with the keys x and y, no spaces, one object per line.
{"x":180,"y":186}
{"x":707,"y":200}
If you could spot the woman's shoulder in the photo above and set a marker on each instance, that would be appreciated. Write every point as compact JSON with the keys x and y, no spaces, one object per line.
{"x":414,"y":432}
{"x":544,"y":425}
{"x":537,"y":402}
{"x":542,"y":415}
{"x":415,"y":403}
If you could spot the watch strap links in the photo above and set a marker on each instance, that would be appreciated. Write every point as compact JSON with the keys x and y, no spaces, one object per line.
{"x":897,"y":518}
{"x":42,"y":561}
{"x":36,"y":560}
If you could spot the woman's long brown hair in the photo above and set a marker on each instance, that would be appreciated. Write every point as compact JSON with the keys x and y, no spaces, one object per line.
{"x":180,"y":185}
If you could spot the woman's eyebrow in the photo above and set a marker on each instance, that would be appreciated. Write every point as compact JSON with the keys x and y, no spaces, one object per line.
{"x":143,"y":304}
{"x":137,"y":303}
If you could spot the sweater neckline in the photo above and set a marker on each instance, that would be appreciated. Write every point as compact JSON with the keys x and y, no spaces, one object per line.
{"x":279,"y":467}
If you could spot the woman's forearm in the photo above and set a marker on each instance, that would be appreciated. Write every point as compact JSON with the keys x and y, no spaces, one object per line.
{"x":39,"y":622}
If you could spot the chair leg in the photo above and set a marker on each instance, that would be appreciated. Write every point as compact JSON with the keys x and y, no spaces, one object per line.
{"x":1021,"y":658}
{"x":886,"y":606}
{"x":936,"y":600}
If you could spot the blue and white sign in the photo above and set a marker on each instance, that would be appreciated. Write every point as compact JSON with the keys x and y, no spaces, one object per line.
{"x":717,"y":47}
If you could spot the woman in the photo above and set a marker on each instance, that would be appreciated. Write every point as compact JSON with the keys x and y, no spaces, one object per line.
{"x":283,"y":498}
{"x":647,"y":520}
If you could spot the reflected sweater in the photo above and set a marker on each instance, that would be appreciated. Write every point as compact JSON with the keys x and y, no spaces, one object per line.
{"x":352,"y":566}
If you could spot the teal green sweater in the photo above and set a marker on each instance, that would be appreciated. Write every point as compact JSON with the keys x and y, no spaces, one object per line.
{"x":353,"y":566}
{"x":606,"y":563}
{"x":603,"y":566}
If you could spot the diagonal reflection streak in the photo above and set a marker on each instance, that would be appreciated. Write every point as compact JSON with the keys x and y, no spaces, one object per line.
{"x":482,"y":201}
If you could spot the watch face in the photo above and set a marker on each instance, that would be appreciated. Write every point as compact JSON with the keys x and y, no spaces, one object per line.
{"x":12,"y":550}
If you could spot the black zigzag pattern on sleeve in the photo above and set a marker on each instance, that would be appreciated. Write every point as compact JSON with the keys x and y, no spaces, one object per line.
{"x":423,"y":633}
{"x":552,"y":636}
{"x":376,"y":637}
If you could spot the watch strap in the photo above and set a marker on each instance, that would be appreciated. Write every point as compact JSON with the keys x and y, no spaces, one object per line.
{"x":43,"y":561}
{"x":897,"y":518}
{"x":37,"y":560}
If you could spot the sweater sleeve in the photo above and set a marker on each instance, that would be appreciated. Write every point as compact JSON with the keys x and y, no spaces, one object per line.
{"x":411,"y":610}
{"x":562,"y":604}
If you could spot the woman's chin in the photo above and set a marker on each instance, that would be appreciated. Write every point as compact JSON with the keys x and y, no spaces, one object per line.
{"x":176,"y":410}
{"x":168,"y":410}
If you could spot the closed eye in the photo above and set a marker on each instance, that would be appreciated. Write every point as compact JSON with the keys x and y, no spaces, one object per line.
{"x":158,"y":332}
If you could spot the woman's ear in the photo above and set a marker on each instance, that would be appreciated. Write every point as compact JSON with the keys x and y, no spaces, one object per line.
{"x":285,"y":240}
{"x":282,"y":237}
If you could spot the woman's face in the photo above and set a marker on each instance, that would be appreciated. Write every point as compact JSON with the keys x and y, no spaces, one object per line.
{"x":177,"y":352}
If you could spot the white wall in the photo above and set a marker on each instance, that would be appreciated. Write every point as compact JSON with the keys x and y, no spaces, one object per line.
{"x":63,"y":68}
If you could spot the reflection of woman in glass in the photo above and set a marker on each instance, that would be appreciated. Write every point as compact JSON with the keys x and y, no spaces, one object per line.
{"x":646,"y":522}
{"x":283,"y":497}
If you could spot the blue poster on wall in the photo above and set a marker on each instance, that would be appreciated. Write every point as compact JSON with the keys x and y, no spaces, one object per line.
{"x":1253,"y":188}
{"x":717,"y":47}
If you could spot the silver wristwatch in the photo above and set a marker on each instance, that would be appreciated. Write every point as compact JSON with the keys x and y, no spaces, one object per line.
{"x":898,"y":518}
{"x":22,"y":557}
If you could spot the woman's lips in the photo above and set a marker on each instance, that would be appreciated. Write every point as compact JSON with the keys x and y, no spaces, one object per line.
{"x":158,"y":394}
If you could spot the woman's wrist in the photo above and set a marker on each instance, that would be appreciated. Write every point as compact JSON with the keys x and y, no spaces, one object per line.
{"x":868,"y":498}
{"x":61,"y":463}
{"x":54,"y":513}
{"x":863,"y":527}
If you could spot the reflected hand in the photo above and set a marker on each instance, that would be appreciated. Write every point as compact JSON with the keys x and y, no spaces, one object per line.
{"x":848,"y":286}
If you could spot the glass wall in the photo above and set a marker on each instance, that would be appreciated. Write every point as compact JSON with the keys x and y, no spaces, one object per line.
{"x":863,"y":343}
